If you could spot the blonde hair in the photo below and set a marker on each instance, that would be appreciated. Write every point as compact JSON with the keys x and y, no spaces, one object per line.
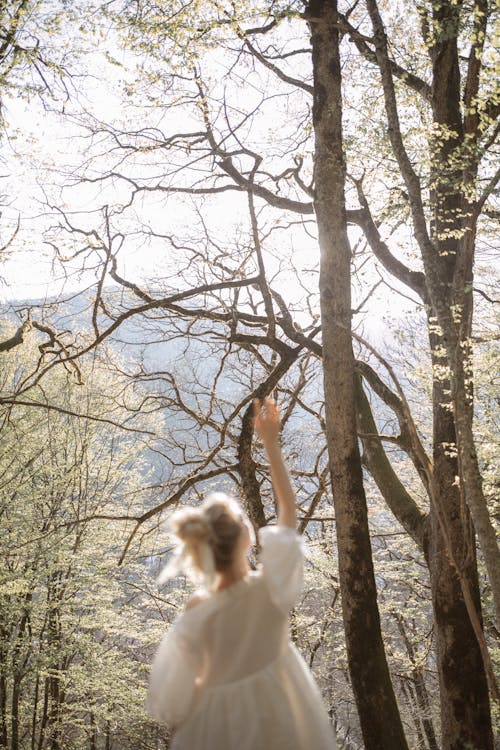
{"x":211,"y":532}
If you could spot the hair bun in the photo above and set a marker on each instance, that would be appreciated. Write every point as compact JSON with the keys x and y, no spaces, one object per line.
{"x":191,"y":525}
{"x":209,"y":534}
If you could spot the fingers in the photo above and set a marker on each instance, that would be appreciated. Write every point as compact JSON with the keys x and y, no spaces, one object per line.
{"x":272,"y":407}
{"x":269,"y":404}
{"x":266,"y":420}
{"x":265,"y":412}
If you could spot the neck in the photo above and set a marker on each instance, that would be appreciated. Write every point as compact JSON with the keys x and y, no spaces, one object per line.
{"x":232,"y":575}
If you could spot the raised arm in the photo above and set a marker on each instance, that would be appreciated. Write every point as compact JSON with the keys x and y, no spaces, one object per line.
{"x":267,"y":425}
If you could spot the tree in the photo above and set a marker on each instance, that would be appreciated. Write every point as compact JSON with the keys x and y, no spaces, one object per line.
{"x":73,"y":640}
{"x":415,"y":155}
{"x":37,"y":64}
{"x":378,"y":711}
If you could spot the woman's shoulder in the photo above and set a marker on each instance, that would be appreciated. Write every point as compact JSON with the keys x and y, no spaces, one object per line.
{"x":278,"y":534}
{"x":240,"y":587}
{"x":202,"y":603}
{"x":189,"y":622}
{"x":195,"y":600}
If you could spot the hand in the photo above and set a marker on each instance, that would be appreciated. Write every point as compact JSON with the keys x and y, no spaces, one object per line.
{"x":267,"y":424}
{"x":266,"y":420}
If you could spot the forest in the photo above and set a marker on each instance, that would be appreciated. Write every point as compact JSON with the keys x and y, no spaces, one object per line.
{"x":205,"y":202}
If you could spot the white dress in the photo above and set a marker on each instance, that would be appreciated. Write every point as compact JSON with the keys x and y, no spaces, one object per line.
{"x":227,"y":677}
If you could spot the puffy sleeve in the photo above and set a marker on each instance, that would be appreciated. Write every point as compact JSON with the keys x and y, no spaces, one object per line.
{"x":282,"y":563}
{"x":173,"y":674}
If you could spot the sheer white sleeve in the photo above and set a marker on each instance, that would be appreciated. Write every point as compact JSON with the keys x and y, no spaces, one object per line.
{"x":282,"y":563}
{"x":173,"y":676}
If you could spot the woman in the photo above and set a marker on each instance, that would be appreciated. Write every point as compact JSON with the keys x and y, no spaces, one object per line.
{"x":226,"y":676}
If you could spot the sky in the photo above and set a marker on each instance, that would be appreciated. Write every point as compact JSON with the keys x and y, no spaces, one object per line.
{"x":41,"y":143}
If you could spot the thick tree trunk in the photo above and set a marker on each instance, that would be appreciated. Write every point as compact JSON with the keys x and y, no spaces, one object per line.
{"x":465,"y":714}
{"x":448,"y":251}
{"x":465,"y":709}
{"x":378,"y":711}
{"x":464,"y":692}
{"x":449,"y":270}
{"x":471,"y":479}
{"x":18,"y":671}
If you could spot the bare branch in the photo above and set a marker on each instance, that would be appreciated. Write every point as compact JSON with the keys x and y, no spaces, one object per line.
{"x":274,"y":68}
{"x":408,"y":440}
{"x":264,"y":288}
{"x":413,"y":279}
{"x":192,"y":480}
{"x":16,"y":339}
{"x":363,"y":43}
{"x":68,"y":412}
{"x":392,"y":489}
{"x":408,"y":173}
{"x":486,"y":192}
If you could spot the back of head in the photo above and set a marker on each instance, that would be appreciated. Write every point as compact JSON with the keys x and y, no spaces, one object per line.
{"x":211,"y":532}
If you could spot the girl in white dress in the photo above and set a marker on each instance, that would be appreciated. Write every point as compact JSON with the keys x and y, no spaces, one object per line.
{"x":226,"y":676}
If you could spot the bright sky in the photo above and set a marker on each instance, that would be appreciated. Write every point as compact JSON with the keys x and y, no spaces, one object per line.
{"x":42,"y":143}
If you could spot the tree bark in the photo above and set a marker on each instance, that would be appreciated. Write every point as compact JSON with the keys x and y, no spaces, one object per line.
{"x":465,"y":707}
{"x":246,"y":465}
{"x":448,"y":248}
{"x":3,"y":690}
{"x":392,"y":489}
{"x":421,"y":694}
{"x":465,"y":711}
{"x":450,"y":274}
{"x":55,"y":692}
{"x":378,"y":711}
